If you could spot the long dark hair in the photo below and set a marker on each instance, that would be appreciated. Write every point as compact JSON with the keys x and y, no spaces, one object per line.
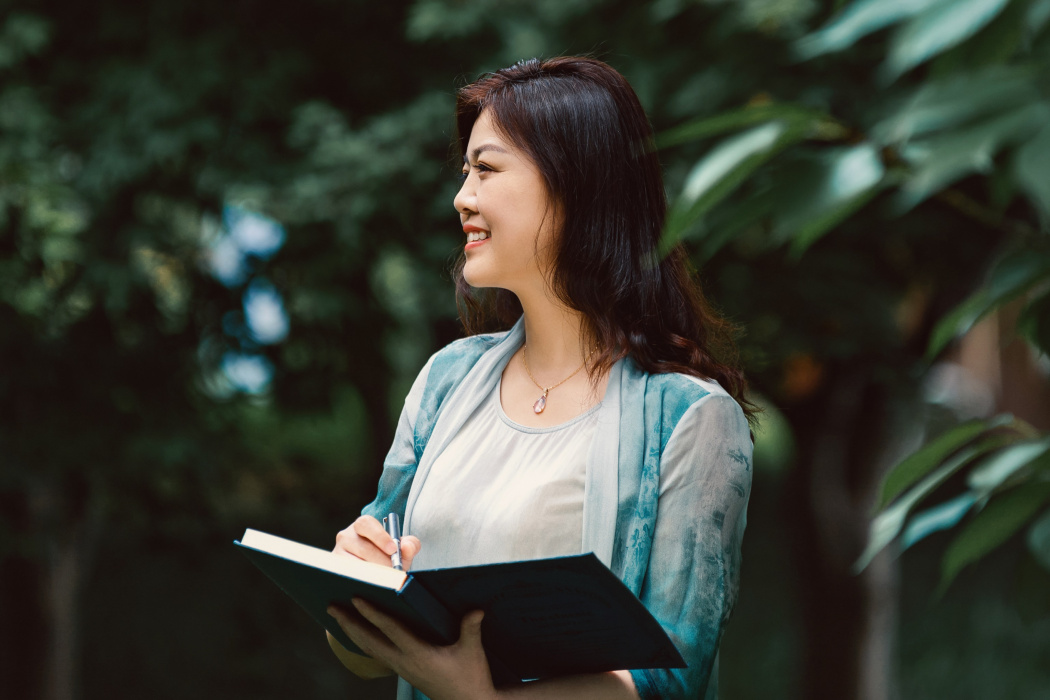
{"x":582,"y":125}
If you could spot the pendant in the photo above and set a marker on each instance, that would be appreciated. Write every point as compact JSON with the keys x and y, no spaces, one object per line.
{"x":541,"y":403}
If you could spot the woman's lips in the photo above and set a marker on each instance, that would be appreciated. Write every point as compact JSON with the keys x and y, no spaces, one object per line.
{"x":475,"y":236}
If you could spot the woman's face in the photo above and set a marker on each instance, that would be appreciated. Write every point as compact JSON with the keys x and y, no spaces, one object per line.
{"x":504,"y":209}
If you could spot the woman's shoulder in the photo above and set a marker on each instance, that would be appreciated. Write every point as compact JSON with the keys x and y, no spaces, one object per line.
{"x":685,"y":385}
{"x":677,"y":388}
{"x":463,"y":353}
{"x":471,"y":345}
{"x":680,"y":397}
{"x":450,"y":364}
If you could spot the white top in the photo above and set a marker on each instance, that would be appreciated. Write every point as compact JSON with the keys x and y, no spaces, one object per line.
{"x":496,"y":476}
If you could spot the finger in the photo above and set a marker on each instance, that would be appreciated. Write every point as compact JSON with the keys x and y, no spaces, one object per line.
{"x":361,"y":632}
{"x":365,"y":539}
{"x":347,"y":543}
{"x":400,"y":636}
{"x":410,"y":546}
{"x":470,"y":629}
{"x":371,"y":529}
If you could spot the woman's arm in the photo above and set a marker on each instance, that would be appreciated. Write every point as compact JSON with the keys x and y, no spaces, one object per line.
{"x":693,"y":569}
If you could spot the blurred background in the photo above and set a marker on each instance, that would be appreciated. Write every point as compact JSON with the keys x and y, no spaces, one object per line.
{"x":226,"y":231}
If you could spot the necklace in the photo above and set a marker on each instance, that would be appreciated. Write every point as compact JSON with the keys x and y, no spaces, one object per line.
{"x":541,"y":403}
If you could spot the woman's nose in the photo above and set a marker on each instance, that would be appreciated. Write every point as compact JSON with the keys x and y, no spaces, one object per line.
{"x":464,"y":201}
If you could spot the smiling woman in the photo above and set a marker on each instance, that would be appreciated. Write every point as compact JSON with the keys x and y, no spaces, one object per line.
{"x":643,"y":459}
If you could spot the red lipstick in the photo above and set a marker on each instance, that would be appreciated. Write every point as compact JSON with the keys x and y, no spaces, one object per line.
{"x":468,"y":229}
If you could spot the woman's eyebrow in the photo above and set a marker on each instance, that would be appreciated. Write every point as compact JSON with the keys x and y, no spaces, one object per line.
{"x":482,"y":148}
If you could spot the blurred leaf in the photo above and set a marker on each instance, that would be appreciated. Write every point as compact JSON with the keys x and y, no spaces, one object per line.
{"x":940,"y":517}
{"x":428,"y":19}
{"x":849,"y":178}
{"x":959,"y":100}
{"x":1011,"y":277}
{"x":1032,"y":168}
{"x":726,"y":223}
{"x":1034,"y":323}
{"x":830,"y":218}
{"x":856,"y":21}
{"x":888,"y":524}
{"x":1001,"y":518}
{"x":996,"y":44}
{"x":22,"y":35}
{"x":1039,"y":540}
{"x":721,"y":171}
{"x":921,"y":463}
{"x":736,"y":119}
{"x":996,"y":469}
{"x":1038,"y":15}
{"x":774,"y":439}
{"x":939,"y":27}
{"x":940,"y":160}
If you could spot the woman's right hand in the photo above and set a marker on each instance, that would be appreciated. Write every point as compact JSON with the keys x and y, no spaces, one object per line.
{"x":367,"y":539}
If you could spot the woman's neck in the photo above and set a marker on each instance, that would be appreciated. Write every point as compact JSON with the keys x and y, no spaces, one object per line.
{"x":558,"y":341}
{"x":555,"y":335}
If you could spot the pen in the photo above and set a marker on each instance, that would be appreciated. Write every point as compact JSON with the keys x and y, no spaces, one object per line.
{"x":393,"y":528}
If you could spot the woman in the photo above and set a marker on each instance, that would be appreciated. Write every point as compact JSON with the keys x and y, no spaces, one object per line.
{"x":601,"y":421}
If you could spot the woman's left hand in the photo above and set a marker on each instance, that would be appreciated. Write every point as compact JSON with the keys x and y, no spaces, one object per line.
{"x":458,"y":670}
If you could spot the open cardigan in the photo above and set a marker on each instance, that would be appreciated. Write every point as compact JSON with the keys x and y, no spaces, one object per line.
{"x":665,"y":495}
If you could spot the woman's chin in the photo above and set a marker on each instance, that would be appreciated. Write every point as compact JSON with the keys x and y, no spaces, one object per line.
{"x":477,"y":278}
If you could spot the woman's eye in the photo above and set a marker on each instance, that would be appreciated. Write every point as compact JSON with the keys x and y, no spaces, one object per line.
{"x":480,"y":167}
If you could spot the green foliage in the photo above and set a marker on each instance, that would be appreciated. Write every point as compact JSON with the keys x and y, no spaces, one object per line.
{"x":992,"y":527}
{"x":1039,"y":539}
{"x":798,"y":172}
{"x":857,"y":20}
{"x":940,"y":26}
{"x":890,"y":522}
{"x":1008,"y":482}
{"x":921,"y":463}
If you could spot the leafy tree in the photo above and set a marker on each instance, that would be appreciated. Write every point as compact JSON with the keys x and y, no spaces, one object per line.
{"x":932,"y":169}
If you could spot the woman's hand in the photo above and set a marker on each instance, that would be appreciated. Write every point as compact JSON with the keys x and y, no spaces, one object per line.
{"x":456,"y":671}
{"x":460,"y":671}
{"x":367,"y":539}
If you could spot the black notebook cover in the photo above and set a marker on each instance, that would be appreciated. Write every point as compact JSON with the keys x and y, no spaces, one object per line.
{"x":543,"y":617}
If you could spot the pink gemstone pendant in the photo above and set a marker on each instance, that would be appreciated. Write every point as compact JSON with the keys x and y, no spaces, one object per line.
{"x":541,"y":403}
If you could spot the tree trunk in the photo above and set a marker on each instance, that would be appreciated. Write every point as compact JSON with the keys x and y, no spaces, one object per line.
{"x":70,"y":516}
{"x":848,"y":436}
{"x":65,"y":569}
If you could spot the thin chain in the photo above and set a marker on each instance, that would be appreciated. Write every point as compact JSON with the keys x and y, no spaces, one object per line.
{"x":546,"y":389}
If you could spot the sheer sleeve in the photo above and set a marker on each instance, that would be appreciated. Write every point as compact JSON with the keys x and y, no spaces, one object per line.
{"x":692,"y":579}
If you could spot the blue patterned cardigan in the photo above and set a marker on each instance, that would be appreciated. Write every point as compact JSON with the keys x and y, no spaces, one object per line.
{"x":665,"y":496}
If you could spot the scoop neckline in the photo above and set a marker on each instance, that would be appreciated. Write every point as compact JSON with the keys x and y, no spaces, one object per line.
{"x":529,"y":429}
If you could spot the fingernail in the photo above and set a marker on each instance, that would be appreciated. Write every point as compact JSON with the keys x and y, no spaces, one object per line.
{"x":390,"y":547}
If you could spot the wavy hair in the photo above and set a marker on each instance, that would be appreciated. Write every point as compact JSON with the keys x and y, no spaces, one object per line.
{"x":581,"y":124}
